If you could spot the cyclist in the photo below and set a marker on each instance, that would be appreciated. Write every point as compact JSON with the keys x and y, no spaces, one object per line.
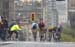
{"x":50,"y":30}
{"x":34,"y":30}
{"x":41,"y":29}
{"x":14,"y":28}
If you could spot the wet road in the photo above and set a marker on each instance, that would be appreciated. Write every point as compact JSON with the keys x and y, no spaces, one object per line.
{"x":36,"y":44}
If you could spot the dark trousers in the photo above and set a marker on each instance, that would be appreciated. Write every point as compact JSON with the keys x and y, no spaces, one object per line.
{"x":11,"y":32}
{"x":42,"y":35}
{"x":3,"y":34}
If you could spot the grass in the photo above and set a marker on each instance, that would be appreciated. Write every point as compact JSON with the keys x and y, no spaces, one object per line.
{"x":67,"y":38}
{"x":68,"y":34}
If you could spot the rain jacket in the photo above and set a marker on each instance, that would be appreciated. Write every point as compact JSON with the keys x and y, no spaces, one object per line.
{"x":15,"y":28}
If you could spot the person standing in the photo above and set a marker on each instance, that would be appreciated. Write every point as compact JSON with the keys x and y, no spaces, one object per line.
{"x":34,"y":30}
{"x":1,"y":29}
{"x":5,"y":28}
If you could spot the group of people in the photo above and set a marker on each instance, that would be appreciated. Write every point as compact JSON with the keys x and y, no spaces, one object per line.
{"x":41,"y":27}
{"x":6,"y":31}
{"x":55,"y":32}
{"x":38,"y":26}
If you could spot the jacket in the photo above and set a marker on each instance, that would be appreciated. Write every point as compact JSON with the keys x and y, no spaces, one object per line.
{"x":15,"y":28}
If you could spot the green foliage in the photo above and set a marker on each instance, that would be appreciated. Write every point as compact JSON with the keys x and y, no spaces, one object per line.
{"x":69,"y":31}
{"x":68,"y":34}
{"x":67,"y":38}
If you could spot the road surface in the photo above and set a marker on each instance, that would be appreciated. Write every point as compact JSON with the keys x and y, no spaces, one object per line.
{"x":36,"y":44}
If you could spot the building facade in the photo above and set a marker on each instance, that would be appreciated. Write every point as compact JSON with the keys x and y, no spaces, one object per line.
{"x":33,"y":6}
{"x":51,"y":13}
{"x":21,"y":9}
{"x":11,"y":10}
{"x":1,"y":8}
{"x":61,"y":6}
{"x":4,"y":8}
{"x":71,"y":12}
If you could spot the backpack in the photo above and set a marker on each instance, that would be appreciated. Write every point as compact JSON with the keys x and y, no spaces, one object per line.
{"x":34,"y":26}
{"x":11,"y":25}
